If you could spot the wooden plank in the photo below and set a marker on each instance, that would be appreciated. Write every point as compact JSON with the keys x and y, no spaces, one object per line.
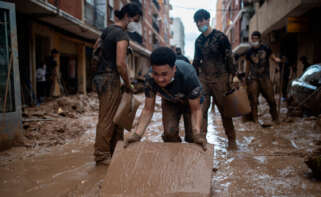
{"x":159,"y":169}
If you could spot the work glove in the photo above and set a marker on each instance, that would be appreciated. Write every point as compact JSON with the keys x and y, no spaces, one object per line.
{"x":129,"y":89}
{"x":200,"y":140}
{"x":130,"y":138}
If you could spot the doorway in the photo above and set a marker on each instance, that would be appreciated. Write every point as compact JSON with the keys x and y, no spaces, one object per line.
{"x":68,"y":70}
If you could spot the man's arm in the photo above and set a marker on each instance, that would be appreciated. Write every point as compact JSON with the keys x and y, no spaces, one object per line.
{"x":247,"y":69}
{"x":197,"y":58}
{"x":196,"y":115}
{"x":144,"y":121}
{"x":196,"y":119}
{"x":121,"y":53}
{"x":146,"y":116}
{"x":275,"y":59}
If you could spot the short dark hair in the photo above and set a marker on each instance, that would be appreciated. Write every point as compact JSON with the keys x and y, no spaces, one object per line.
{"x":303,"y":59}
{"x":131,"y":9}
{"x":162,"y":56}
{"x":256,"y":33}
{"x":178,"y":51}
{"x":201,"y":14}
{"x":54,"y":51}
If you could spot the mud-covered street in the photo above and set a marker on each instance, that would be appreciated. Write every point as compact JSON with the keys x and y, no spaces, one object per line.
{"x":57,"y":156}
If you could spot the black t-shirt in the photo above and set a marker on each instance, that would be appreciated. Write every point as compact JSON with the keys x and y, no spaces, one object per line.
{"x":259,"y":60}
{"x":51,"y":66}
{"x":110,"y":36}
{"x":211,"y":53}
{"x":185,"y":85}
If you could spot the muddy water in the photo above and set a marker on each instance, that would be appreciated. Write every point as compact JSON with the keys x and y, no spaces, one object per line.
{"x":269,"y":161}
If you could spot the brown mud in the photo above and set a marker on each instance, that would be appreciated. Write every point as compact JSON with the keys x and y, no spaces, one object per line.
{"x":58,"y":160}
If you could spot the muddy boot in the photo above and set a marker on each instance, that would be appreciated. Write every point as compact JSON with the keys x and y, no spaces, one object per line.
{"x":313,"y":161}
{"x":171,"y":138}
{"x":255,"y":117}
{"x":104,"y":159}
{"x":231,"y":140}
{"x":200,"y":140}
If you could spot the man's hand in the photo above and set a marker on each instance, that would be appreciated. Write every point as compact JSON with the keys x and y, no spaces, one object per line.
{"x":130,"y":138}
{"x":200,"y":140}
{"x":129,"y":89}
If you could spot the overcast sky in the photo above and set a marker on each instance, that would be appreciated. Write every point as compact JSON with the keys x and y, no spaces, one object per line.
{"x":185,"y":10}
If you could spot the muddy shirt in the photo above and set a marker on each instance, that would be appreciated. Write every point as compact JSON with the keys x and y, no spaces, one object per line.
{"x":110,"y":36}
{"x":185,"y":85}
{"x":211,"y":54}
{"x":259,"y":61}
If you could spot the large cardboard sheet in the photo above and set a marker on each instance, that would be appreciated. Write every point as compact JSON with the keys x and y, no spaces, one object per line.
{"x":147,"y":169}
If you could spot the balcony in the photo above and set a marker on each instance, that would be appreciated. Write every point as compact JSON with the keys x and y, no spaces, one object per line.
{"x":155,"y":26}
{"x":94,"y":16}
{"x":156,"y":4}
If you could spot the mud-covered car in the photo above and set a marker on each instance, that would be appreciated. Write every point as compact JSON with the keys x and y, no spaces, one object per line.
{"x":304,"y":94}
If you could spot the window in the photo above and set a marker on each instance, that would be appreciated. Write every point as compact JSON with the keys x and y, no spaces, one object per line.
{"x":7,"y":102}
{"x":111,"y":10}
{"x":91,"y":2}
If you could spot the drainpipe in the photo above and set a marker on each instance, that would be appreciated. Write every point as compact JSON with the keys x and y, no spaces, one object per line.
{"x":257,"y":6}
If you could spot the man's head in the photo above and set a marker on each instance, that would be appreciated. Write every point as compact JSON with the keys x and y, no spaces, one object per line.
{"x":162,"y":60}
{"x":256,"y":39}
{"x":178,"y":51}
{"x":202,"y":20}
{"x":54,"y":53}
{"x":303,"y":59}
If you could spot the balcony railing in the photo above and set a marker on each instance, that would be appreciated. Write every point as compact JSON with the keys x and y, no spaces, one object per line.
{"x":155,"y":26}
{"x":156,"y":4}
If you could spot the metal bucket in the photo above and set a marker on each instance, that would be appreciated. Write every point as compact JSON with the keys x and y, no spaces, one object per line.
{"x":236,"y":103}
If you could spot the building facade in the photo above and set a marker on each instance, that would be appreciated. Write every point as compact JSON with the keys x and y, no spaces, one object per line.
{"x":178,"y":39}
{"x":30,"y":29}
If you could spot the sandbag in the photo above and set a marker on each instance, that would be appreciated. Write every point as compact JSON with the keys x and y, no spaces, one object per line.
{"x":126,"y":111}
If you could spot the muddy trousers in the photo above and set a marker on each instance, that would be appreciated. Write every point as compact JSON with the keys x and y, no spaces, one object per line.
{"x":217,"y":89}
{"x":264,"y":86}
{"x":107,"y":133}
{"x":172,"y":113}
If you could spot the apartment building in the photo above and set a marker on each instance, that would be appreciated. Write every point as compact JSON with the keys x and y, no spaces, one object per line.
{"x":178,"y":38}
{"x":30,"y":29}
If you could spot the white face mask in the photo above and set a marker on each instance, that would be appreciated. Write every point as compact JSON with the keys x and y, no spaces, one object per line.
{"x":132,"y":27}
{"x":255,"y":44}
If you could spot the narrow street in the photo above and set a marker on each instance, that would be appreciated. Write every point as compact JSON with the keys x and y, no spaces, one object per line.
{"x":269,"y":162}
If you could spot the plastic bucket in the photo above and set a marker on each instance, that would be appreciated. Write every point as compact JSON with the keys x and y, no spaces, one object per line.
{"x":236,"y":103}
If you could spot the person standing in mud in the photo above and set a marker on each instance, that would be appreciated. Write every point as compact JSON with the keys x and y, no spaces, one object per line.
{"x":51,"y":71}
{"x":258,"y":77}
{"x":214,"y":62}
{"x":178,"y":85}
{"x":112,"y":65}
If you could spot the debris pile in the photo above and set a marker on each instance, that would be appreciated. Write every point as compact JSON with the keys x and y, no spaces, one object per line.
{"x":59,"y":120}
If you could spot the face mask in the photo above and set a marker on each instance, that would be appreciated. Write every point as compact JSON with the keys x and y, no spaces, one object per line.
{"x":132,"y":27}
{"x":203,"y":29}
{"x":255,"y":44}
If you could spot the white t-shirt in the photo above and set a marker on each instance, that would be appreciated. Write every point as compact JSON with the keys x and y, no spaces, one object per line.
{"x":41,"y":74}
